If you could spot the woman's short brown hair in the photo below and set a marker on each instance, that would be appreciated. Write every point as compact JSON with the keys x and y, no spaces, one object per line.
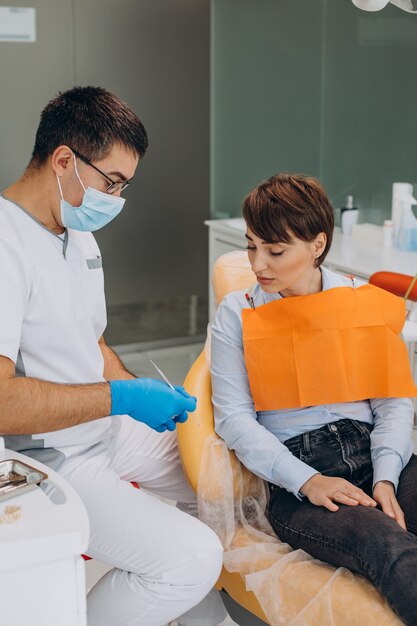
{"x":288,"y":205}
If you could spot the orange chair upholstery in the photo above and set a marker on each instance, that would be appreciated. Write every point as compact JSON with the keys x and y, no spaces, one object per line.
{"x":397,"y":284}
{"x":191,"y":439}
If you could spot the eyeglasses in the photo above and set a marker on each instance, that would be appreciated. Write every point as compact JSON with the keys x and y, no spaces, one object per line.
{"x":114,"y":184}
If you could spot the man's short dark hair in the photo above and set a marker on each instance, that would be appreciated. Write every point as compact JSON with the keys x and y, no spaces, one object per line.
{"x":90,"y":120}
{"x":288,"y":205}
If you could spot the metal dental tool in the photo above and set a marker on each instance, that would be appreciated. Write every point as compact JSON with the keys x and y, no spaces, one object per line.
{"x":162,"y":374}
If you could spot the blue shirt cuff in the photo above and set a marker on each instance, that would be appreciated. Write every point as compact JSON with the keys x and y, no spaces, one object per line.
{"x":387,"y":467}
{"x":291,"y":473}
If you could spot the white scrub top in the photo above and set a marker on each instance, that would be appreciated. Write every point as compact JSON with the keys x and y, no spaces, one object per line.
{"x":52,"y":314}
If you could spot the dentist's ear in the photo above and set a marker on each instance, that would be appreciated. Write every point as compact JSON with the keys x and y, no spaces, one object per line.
{"x":60,"y":160}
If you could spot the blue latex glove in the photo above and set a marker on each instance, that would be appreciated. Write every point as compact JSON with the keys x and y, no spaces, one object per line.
{"x":152,"y":402}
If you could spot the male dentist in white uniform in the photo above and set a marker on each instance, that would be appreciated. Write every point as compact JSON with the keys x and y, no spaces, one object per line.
{"x":67,"y":399}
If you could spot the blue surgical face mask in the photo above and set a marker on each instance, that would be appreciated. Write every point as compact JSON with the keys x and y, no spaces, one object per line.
{"x":96,"y":210}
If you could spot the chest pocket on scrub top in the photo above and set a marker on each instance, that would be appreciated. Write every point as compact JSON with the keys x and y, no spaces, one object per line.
{"x":93,"y":287}
{"x":94,"y":263}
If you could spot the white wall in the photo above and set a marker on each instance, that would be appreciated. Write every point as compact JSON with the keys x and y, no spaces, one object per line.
{"x":155,"y":55}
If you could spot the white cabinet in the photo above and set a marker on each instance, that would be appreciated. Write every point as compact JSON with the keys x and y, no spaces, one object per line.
{"x":42,"y":579}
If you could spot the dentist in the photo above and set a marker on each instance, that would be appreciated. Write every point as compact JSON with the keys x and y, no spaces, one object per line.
{"x":66,"y":398}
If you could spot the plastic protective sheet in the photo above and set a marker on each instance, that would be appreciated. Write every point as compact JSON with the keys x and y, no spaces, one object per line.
{"x":292,"y":588}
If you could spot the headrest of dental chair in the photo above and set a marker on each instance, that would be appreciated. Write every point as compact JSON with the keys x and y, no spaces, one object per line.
{"x":232,"y":272}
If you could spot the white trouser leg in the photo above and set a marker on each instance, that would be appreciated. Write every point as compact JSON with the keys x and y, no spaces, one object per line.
{"x":161,"y":473}
{"x":165,"y":560}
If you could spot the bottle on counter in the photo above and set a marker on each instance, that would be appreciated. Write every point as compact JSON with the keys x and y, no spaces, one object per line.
{"x":402,"y":194}
{"x":407,"y":234}
{"x":348,"y":216}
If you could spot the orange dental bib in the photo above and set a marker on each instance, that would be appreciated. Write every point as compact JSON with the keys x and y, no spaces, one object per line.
{"x":339,"y":345}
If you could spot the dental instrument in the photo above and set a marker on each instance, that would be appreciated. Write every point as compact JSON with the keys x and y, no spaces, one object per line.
{"x":162,"y":374}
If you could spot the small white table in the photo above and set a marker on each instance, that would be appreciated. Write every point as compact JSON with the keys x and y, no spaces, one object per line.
{"x":42,"y":579}
{"x":347,"y":255}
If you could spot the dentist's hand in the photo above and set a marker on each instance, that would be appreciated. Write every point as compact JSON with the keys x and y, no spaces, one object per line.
{"x":151,"y":402}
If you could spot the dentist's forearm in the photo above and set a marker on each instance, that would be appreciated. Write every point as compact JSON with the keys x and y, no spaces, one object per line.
{"x":30,"y":406}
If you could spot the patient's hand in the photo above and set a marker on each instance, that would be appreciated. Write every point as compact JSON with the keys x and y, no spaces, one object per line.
{"x":384,"y":494}
{"x":326,"y":491}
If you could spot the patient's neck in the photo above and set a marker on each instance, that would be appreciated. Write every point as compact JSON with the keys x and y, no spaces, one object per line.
{"x":307,"y":285}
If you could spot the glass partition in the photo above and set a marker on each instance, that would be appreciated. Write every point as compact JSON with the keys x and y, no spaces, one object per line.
{"x":313,"y":86}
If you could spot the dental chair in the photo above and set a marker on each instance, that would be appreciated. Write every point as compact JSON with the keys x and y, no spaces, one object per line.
{"x":351,"y":605}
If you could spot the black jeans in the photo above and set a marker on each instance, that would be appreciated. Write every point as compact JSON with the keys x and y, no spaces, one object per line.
{"x":360,"y":538}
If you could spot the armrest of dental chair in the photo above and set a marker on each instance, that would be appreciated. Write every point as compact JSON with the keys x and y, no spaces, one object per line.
{"x":193,"y":434}
{"x":231,"y":271}
{"x":200,"y":424}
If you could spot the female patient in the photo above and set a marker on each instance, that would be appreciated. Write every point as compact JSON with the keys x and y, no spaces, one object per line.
{"x":301,"y":394}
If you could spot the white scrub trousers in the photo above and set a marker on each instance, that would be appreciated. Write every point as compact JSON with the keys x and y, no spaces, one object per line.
{"x":165,"y":561}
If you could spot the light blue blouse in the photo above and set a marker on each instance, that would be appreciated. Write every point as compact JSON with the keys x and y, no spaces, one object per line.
{"x":258,"y":438}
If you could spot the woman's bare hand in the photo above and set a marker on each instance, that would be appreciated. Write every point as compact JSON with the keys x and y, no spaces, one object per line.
{"x":326,"y":491}
{"x":384,"y":494}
